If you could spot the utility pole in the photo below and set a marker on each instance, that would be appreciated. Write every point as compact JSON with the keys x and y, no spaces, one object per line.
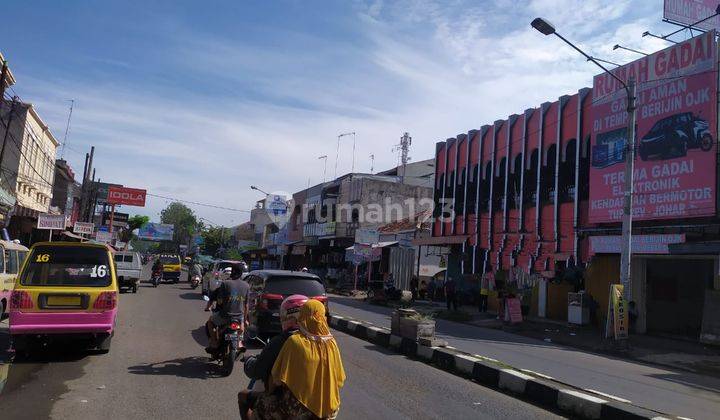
{"x":626,"y":249}
{"x":546,"y":28}
{"x":324,"y":158}
{"x":67,"y":128}
{"x":337,"y":153}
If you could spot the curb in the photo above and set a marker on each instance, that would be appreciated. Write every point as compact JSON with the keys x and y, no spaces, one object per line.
{"x":494,"y":374}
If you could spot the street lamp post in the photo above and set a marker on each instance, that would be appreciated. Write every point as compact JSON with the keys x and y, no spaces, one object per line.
{"x":337,"y":154}
{"x":546,"y":28}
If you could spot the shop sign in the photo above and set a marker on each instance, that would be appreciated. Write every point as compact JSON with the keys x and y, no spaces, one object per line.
{"x":367,"y":236}
{"x":514,"y":310}
{"x":617,"y":320}
{"x":675,"y":135}
{"x":128,"y":196}
{"x":83,"y":228}
{"x":688,"y":12}
{"x":363,"y":253}
{"x":641,"y":244}
{"x":51,"y":221}
{"x":104,"y":237}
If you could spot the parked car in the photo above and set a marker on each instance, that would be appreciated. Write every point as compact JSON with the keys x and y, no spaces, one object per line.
{"x":14,"y":256}
{"x":268,"y":288}
{"x":212,"y":278}
{"x":672,"y":136}
{"x":129,"y":269}
{"x":65,"y":290}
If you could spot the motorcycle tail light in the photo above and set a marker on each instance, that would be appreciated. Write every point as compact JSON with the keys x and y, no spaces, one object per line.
{"x":234,"y":326}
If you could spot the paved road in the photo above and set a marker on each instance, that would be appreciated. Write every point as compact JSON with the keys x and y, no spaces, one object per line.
{"x":157,"y":369}
{"x":675,"y":392}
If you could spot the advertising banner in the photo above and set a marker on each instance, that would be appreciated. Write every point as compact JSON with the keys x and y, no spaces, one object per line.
{"x":641,"y":244}
{"x":128,"y":196}
{"x":51,"y":221}
{"x":617,"y":320}
{"x":104,"y":237}
{"x":676,"y":135}
{"x":688,"y":12}
{"x":367,"y":236}
{"x":101,"y":189}
{"x":83,"y":228}
{"x":156,"y":232}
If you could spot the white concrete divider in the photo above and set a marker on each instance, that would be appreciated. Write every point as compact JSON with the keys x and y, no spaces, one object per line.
{"x":465,"y":364}
{"x":372,"y":332}
{"x":425,"y":352}
{"x":581,"y":404}
{"x":352,"y":325}
{"x":513,"y":380}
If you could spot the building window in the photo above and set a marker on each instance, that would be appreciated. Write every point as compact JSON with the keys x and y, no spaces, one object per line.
{"x":566,"y":182}
{"x":530,"y":187}
{"x":547,"y":179}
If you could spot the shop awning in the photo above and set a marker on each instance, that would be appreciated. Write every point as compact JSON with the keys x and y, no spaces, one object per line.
{"x":73,"y":235}
{"x":441,"y":240}
{"x":377,"y":245}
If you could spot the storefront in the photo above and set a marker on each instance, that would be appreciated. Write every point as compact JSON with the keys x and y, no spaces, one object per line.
{"x":672,"y":289}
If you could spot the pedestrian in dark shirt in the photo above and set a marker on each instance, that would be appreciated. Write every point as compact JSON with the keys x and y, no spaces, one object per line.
{"x":450,"y":297}
{"x":414,"y":287}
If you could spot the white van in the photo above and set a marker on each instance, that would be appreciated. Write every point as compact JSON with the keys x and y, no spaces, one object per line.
{"x":129,"y":268}
{"x":13,"y":254}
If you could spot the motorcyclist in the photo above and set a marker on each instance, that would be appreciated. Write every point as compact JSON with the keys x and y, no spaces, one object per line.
{"x":259,"y":367}
{"x":157,"y":267}
{"x":196,"y":270}
{"x":230,"y":300}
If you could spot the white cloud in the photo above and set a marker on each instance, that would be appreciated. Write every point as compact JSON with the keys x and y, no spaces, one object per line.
{"x":262,"y":114}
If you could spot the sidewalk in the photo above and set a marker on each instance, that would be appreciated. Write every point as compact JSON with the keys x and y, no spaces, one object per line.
{"x":674,"y":353}
{"x":680,"y":392}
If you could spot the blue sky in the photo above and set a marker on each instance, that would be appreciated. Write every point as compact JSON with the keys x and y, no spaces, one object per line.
{"x":199,"y":100}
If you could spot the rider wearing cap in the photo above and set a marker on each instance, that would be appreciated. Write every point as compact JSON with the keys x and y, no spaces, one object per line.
{"x":259,"y":367}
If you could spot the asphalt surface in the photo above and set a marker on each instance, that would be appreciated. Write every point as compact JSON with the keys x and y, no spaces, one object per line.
{"x":157,"y":368}
{"x":674,"y":392}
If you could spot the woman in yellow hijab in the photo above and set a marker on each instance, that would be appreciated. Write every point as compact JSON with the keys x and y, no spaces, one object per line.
{"x":309,"y":366}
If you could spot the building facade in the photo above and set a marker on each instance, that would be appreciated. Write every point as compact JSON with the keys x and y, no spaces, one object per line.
{"x":534,"y":201}
{"x":29,"y":155}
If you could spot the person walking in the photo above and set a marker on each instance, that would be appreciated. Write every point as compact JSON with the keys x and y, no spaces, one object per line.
{"x":484,"y":291}
{"x":414,"y":288}
{"x":450,"y":297}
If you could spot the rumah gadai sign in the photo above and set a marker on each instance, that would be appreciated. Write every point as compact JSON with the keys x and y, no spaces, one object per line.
{"x":676,"y":135}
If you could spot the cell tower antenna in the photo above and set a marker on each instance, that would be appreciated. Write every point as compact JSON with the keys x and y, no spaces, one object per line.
{"x":404,"y":148}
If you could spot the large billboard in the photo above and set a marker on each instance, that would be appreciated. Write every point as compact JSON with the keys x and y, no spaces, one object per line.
{"x":102,"y":190}
{"x":688,"y":12}
{"x":676,"y":135}
{"x":128,"y":196}
{"x":156,"y":232}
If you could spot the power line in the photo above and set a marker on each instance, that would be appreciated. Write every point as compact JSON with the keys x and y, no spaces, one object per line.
{"x":199,"y":204}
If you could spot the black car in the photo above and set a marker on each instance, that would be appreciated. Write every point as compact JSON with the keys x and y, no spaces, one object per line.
{"x":672,"y":136}
{"x":268,"y":288}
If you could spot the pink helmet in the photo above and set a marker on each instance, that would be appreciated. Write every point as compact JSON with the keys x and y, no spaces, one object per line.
{"x":290,"y":307}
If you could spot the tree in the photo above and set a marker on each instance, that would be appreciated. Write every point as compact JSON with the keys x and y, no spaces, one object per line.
{"x":184,"y":220}
{"x":214,"y":238}
{"x":135,"y":222}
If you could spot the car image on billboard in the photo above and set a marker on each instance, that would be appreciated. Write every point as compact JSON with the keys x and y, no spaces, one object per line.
{"x":672,"y":136}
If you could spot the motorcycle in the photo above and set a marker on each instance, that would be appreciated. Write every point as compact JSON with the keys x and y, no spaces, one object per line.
{"x":229,"y":349}
{"x":156,"y":278}
{"x":195,"y":281}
